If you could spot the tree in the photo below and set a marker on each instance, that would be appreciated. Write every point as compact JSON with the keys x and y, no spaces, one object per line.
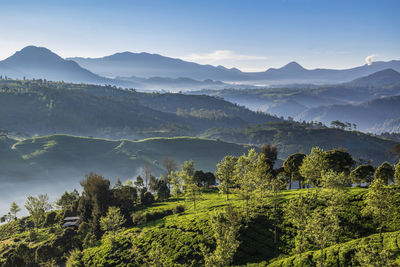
{"x":338,"y":160}
{"x":210,"y":179}
{"x":363,"y":174}
{"x":118,"y":184}
{"x":271,"y":154}
{"x":397,"y":173}
{"x":14,"y":209}
{"x":263,"y":176}
{"x":176,"y":182}
{"x":191,"y":189}
{"x":67,"y":199}
{"x":225,"y":227}
{"x":37,"y":207}
{"x":163,"y":192}
{"x":322,"y":228}
{"x":244,"y":178}
{"x":147,"y":170}
{"x":139,"y":182}
{"x":113,"y":221}
{"x":225,"y":174}
{"x":380,"y":204}
{"x":95,"y":200}
{"x":199,"y":178}
{"x":125,"y":197}
{"x":312,"y":166}
{"x":291,"y":167}
{"x":385,"y":172}
{"x":153,"y":183}
{"x":170,"y":165}
{"x":297,"y":213}
{"x":274,"y":199}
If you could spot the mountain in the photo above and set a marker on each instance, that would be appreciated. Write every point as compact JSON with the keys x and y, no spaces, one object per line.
{"x":153,"y":65}
{"x":147,"y":65}
{"x":40,"y":63}
{"x":380,"y":78}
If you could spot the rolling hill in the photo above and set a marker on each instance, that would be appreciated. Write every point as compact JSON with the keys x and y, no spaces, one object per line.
{"x":55,"y":163}
{"x":103,"y":111}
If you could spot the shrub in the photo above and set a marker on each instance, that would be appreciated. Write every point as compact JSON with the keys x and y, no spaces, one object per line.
{"x":178,"y":209}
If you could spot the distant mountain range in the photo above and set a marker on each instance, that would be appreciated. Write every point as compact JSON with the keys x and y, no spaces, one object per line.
{"x":150,"y":65}
{"x":152,"y":71}
{"x":372,"y":102}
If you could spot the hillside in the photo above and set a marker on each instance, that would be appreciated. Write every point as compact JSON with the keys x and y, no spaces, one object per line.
{"x":43,"y":108}
{"x":371,"y":115}
{"x":292,"y":137}
{"x":178,"y":238}
{"x":57,"y":162}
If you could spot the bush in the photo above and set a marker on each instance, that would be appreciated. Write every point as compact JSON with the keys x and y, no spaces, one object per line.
{"x":178,"y":209}
{"x":144,"y":217}
{"x":50,"y":219}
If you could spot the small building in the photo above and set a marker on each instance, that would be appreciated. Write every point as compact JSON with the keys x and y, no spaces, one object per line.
{"x":71,"y":221}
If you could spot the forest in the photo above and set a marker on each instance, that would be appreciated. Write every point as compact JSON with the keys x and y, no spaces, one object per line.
{"x":317,"y":209}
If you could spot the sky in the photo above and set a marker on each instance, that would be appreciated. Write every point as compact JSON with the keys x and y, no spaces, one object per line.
{"x":248,"y":34}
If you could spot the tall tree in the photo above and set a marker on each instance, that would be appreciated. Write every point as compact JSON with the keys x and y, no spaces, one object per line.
{"x":191,"y":189}
{"x":312,"y":166}
{"x":297,"y":212}
{"x":176,"y":182}
{"x":226,"y":227}
{"x":244,"y":179}
{"x":37,"y":207}
{"x":95,"y":200}
{"x":380,"y":203}
{"x":271,"y":154}
{"x":14,"y":209}
{"x":397,"y":173}
{"x":225,"y":174}
{"x":363,"y":174}
{"x":170,"y":165}
{"x":385,"y":172}
{"x":291,"y":167}
{"x":113,"y":221}
{"x":147,"y":171}
{"x":139,"y":182}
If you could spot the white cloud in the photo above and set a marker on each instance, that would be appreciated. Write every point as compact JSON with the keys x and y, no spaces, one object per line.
{"x":229,"y":59}
{"x":219,"y":55}
{"x":369,"y":59}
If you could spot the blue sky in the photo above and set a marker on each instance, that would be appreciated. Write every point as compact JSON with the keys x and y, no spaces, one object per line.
{"x":250,"y":35}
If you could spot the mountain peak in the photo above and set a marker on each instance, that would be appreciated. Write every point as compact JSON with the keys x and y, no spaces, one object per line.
{"x":293,"y":66}
{"x":33,"y":53}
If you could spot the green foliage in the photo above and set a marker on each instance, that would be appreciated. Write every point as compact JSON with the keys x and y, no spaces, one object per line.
{"x":385,"y":172}
{"x":225,"y":227}
{"x":291,"y":168}
{"x":225,"y":174}
{"x":397,"y":173}
{"x":37,"y":207}
{"x":380,"y":204}
{"x":67,"y":199}
{"x":363,"y":174}
{"x":113,"y":221}
{"x":312,"y":166}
